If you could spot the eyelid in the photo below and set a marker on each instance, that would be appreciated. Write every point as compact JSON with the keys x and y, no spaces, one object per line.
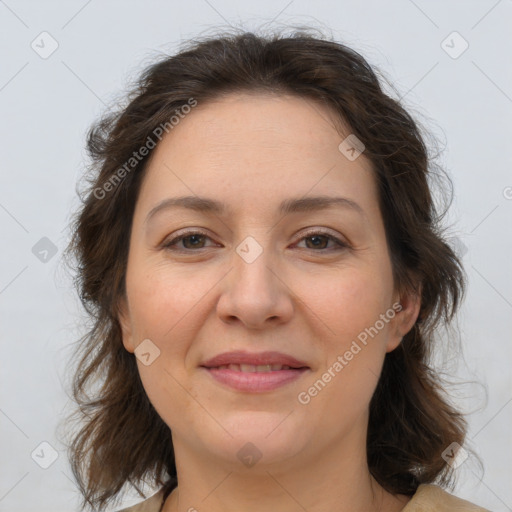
{"x":324,"y":232}
{"x":179,"y":235}
{"x":341,"y":242}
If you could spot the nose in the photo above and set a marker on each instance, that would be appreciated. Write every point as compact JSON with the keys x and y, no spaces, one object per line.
{"x":255,"y":292}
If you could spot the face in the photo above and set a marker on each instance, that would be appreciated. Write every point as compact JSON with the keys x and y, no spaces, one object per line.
{"x":311,"y":282}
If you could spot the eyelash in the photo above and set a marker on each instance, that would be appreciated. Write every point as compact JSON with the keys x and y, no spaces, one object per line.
{"x":309,"y":234}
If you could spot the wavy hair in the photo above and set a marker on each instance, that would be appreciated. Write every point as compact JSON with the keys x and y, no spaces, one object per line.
{"x":122,"y":439}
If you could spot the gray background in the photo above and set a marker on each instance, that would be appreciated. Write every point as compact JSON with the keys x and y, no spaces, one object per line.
{"x":47,"y":104}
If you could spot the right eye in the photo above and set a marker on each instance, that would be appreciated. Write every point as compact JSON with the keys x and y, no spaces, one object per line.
{"x":190,"y":238}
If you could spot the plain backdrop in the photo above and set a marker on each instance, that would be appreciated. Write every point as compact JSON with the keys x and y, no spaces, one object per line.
{"x":63,"y":63}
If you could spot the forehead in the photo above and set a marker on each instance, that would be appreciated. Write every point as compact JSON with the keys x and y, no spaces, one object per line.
{"x":254,"y":147}
{"x":269,"y":119}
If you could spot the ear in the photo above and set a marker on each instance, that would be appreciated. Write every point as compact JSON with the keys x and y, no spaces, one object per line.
{"x":126,"y":326}
{"x":407,"y":308}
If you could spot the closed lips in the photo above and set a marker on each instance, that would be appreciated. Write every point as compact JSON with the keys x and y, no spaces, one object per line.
{"x":241,"y":361}
{"x":259,"y":372}
{"x":251,"y":368}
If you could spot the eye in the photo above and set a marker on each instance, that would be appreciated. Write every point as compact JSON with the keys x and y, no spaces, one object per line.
{"x":196,"y":239}
{"x":192,"y":239}
{"x":320,"y":238}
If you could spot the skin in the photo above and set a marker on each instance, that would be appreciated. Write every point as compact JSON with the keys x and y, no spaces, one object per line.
{"x":251,"y":151}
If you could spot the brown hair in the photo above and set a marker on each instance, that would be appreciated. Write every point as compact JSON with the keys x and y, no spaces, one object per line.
{"x":123,"y":439}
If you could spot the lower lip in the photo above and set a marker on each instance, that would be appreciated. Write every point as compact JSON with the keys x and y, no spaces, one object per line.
{"x":255,"y":381}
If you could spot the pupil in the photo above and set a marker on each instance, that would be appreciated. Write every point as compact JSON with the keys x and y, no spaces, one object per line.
{"x":318,"y":238}
{"x":194,"y":237}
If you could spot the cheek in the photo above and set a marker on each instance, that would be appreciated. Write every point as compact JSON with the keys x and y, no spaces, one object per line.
{"x":162,"y":302}
{"x":164,"y":305}
{"x":162,"y":386}
{"x":348,"y":304}
{"x":353,"y":339}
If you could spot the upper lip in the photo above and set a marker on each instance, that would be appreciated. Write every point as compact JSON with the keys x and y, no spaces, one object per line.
{"x":256,"y":359}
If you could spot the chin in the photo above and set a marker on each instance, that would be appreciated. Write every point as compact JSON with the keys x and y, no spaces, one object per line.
{"x":258,"y":438}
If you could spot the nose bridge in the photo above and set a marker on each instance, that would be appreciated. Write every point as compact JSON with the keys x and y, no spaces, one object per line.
{"x":253,"y":292}
{"x":253,"y":262}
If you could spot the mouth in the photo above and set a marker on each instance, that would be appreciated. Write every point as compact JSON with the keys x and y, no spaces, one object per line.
{"x":254,"y":373}
{"x":251,"y":368}
{"x":254,"y":362}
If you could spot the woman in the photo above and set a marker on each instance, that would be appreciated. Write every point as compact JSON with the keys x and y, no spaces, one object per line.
{"x":263,"y":259}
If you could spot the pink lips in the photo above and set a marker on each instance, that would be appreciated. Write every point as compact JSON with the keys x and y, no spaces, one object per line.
{"x":254,"y":381}
{"x":239,"y":357}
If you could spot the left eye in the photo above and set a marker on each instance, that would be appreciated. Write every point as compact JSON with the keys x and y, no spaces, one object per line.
{"x":187,"y":236}
{"x":318,"y":236}
{"x":193,"y":239}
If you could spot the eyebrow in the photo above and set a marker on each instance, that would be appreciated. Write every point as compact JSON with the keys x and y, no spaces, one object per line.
{"x":303,"y":204}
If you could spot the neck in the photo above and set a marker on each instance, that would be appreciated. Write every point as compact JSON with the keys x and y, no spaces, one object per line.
{"x":334,"y":481}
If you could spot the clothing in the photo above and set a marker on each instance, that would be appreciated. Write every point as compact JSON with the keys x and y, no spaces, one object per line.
{"x":428,"y":498}
{"x":153,"y":504}
{"x":432,"y":498}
